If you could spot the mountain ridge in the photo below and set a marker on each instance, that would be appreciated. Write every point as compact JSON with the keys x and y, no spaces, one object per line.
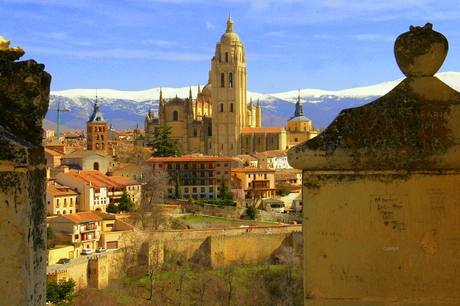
{"x":126,"y":109}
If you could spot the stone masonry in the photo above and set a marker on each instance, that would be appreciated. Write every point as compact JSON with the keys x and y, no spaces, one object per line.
{"x":381,"y":218}
{"x":24,"y":95}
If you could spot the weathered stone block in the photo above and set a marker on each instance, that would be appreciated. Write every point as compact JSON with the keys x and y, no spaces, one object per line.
{"x":24,"y":96}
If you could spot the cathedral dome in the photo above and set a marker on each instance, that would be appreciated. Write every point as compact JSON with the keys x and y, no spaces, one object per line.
{"x":229,"y":36}
{"x":206,"y":92}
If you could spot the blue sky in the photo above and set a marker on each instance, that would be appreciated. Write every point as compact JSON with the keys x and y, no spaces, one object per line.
{"x":290,"y":44}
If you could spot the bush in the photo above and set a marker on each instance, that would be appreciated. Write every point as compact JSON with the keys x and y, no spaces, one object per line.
{"x":60,"y":293}
{"x":251,"y":212}
{"x":223,"y":202}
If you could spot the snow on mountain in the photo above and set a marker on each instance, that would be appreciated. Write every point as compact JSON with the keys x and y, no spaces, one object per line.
{"x":125,"y":109}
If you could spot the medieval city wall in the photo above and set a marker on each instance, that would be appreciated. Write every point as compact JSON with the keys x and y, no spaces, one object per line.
{"x":98,"y":269}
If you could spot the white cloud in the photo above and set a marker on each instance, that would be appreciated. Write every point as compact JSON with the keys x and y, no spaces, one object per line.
{"x":210,"y":26}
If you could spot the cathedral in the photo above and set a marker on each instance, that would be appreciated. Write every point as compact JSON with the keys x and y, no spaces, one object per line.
{"x":220,"y":121}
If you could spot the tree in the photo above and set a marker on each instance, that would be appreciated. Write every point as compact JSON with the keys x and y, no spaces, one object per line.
{"x":60,"y":292}
{"x":223,"y":191}
{"x":136,"y":155}
{"x":112,"y":208}
{"x":50,"y":241}
{"x":251,"y":212}
{"x":126,"y":204}
{"x":177,"y":192}
{"x":163,"y":144}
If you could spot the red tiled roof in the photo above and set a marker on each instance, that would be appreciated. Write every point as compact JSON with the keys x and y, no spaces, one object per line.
{"x":252,"y":169}
{"x":189,"y":158}
{"x":81,"y":154}
{"x":124,"y":180}
{"x":84,"y":216}
{"x":269,"y":129}
{"x":97,"y":179}
{"x":52,"y":152}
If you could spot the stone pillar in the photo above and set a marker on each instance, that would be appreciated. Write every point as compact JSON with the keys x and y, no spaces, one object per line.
{"x":24,"y":96}
{"x":381,"y":196}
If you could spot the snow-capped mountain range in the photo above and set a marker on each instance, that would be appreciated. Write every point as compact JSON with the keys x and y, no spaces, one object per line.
{"x":125,"y":109}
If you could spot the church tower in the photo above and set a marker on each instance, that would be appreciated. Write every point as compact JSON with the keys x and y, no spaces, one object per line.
{"x":299,"y":127}
{"x":229,"y":102}
{"x":96,"y":130}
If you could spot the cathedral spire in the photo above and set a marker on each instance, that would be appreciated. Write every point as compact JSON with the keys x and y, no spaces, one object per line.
{"x":298,"y":107}
{"x":229,"y":24}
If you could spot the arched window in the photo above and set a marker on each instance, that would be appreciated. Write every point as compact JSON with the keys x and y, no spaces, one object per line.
{"x":64,"y":212}
{"x":222,"y":80}
{"x":231,"y":107}
{"x":102,"y":137}
{"x":226,"y":56}
{"x":96,"y":166}
{"x":175,"y":116}
{"x":221,"y":107}
{"x":97,"y":146}
{"x":95,"y":129}
{"x":195,"y":133}
{"x":102,"y":146}
{"x":258,"y":139}
{"x":230,"y":79}
{"x":296,"y":140}
{"x":305,"y":128}
{"x":97,"y":137}
{"x":100,"y":129}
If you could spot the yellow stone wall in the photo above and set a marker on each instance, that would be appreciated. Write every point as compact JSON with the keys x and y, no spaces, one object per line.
{"x":382,"y":236}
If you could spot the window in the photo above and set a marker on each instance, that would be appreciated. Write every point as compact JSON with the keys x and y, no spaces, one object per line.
{"x":230,"y":79}
{"x":226,"y":165}
{"x":96,"y":166}
{"x":222,"y":80}
{"x":194,"y":189}
{"x":97,"y":137}
{"x":231,"y":107}
{"x":221,"y":107}
{"x":102,"y":137}
{"x":195,"y":133}
{"x":203,"y":189}
{"x":296,"y":140}
{"x":226,"y":56}
{"x":186,"y":189}
{"x":175,"y":116}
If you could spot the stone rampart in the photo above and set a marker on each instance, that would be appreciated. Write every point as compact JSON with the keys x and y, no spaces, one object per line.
{"x":264,"y":244}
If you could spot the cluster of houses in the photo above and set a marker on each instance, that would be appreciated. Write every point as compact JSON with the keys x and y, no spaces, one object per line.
{"x":84,"y":179}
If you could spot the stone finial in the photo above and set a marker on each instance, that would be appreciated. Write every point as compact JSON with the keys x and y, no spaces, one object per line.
{"x":421,"y":51}
{"x":7,"y":53}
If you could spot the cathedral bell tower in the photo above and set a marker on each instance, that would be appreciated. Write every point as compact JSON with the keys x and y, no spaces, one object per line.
{"x":96,"y":130}
{"x":229,"y":102}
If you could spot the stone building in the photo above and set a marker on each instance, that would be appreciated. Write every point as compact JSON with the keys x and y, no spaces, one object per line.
{"x":220,"y":121}
{"x":96,"y":131}
{"x":200,"y":176}
{"x":299,"y":127}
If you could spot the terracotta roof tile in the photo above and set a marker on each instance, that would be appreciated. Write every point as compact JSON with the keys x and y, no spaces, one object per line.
{"x":98,"y":179}
{"x":81,"y":154}
{"x":84,"y":216}
{"x":189,"y":158}
{"x":269,"y":129}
